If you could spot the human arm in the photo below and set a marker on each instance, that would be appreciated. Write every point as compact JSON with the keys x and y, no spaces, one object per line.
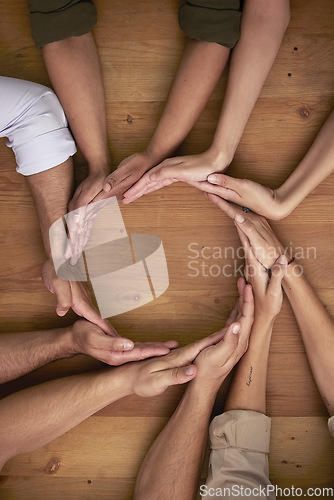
{"x":263,"y":25}
{"x":33,"y":417}
{"x":21,"y":353}
{"x":74,"y":70}
{"x":315,"y":323}
{"x":51,"y":190}
{"x":278,"y":203}
{"x":177,"y":453}
{"x":200,"y":68}
{"x":317,"y":330}
{"x":249,"y":384}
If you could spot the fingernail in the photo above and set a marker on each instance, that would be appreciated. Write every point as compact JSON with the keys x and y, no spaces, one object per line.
{"x":106,"y":187}
{"x":190,"y":370}
{"x":239,"y":218}
{"x":212,"y":178}
{"x":127,"y":345}
{"x":61,"y":312}
{"x":282,"y":260}
{"x":236,"y":329}
{"x":153,"y":177}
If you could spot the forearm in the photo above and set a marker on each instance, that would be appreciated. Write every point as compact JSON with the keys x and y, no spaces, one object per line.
{"x":178,"y":452}
{"x":51,"y":191}
{"x":199,"y":71}
{"x":33,"y":417}
{"x":317,"y":164}
{"x":317,"y":330}
{"x":21,"y":353}
{"x":74,"y":69}
{"x":263,"y":24}
{"x":248,"y":388}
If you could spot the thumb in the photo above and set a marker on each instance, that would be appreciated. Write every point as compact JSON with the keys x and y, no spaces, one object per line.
{"x":111,"y":181}
{"x":176,"y":376}
{"x":62,"y":290}
{"x":221,"y":180}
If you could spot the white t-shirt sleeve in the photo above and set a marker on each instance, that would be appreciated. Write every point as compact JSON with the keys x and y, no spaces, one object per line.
{"x":32,"y":119}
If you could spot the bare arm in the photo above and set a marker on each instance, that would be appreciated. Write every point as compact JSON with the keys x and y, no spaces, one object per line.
{"x":317,"y":329}
{"x":21,"y":353}
{"x":51,"y":191}
{"x":276,"y":204}
{"x":177,"y":453}
{"x":74,"y":69}
{"x":263,"y":24}
{"x":34,"y":416}
{"x":200,"y":68}
{"x":315,"y":323}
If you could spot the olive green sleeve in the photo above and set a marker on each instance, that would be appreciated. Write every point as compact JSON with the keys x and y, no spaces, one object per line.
{"x":54,"y":20}
{"x":212,"y":20}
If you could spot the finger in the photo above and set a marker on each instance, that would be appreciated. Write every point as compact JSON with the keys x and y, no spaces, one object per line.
{"x":228,"y":345}
{"x":233,"y":314}
{"x":187,"y":354}
{"x":138,"y":353}
{"x":175,"y":376}
{"x":248,"y":302}
{"x":139,"y":188}
{"x":234,"y":344}
{"x":113,"y":179}
{"x":82,"y":305}
{"x":223,"y":180}
{"x":170,"y":344}
{"x":230,"y":210}
{"x":278,"y":272}
{"x":237,"y":309}
{"x":118,"y":190}
{"x":62,"y":290}
{"x":255,"y":239}
{"x":114,"y":344}
{"x":250,"y":258}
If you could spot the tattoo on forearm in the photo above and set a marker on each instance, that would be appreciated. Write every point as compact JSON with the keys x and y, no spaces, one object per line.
{"x":250,"y":377}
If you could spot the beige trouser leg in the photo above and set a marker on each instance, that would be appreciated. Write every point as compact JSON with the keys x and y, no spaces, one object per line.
{"x":239,"y":457}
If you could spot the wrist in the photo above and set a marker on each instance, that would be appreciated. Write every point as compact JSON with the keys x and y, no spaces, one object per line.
{"x":67,"y":341}
{"x":220,"y":159}
{"x":99,"y":168}
{"x":293,"y":273}
{"x":264,"y":322}
{"x":282,"y":201}
{"x":154,"y":155}
{"x":204,"y":388}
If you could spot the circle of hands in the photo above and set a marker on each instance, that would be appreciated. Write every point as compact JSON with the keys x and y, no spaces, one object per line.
{"x":211,"y":358}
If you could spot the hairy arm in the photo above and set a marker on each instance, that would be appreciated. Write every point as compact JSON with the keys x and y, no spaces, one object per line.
{"x":177,"y":453}
{"x":33,"y":417}
{"x":21,"y":353}
{"x":74,"y":69}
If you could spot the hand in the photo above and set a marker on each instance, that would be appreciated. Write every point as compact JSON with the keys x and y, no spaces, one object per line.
{"x":183,"y":168}
{"x":154,"y":376}
{"x":246,"y":193}
{"x":112,"y":349}
{"x":80,"y":218}
{"x":267,"y":286}
{"x":127,"y":173}
{"x":215,"y":362}
{"x":264,"y":243}
{"x":87,"y":190}
{"x":72,"y":294}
